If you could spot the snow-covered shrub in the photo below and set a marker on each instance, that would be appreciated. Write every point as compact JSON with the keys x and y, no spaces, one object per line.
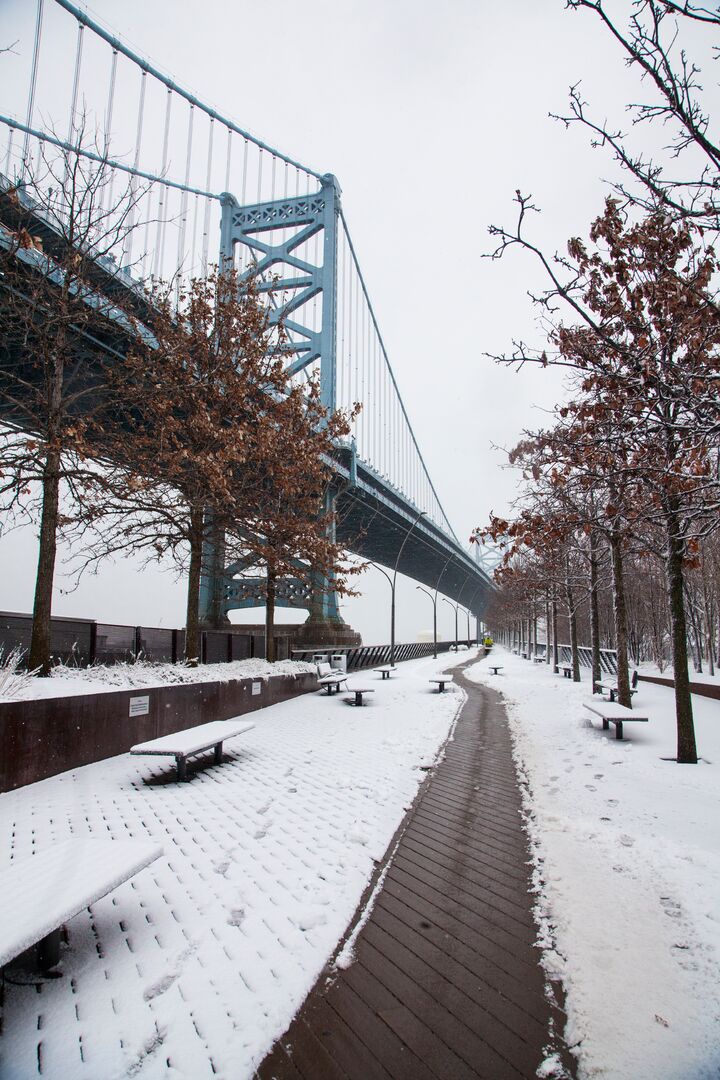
{"x":13,"y":680}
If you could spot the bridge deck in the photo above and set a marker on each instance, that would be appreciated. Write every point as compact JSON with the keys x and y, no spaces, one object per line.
{"x":446,"y":981}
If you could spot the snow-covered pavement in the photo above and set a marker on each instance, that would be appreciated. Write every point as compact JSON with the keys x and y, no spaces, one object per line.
{"x":194,"y":967}
{"x":626,"y":845}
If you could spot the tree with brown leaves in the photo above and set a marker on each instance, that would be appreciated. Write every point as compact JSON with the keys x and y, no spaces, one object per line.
{"x":61,"y":312}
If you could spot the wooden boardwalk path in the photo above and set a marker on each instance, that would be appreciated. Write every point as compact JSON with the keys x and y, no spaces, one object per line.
{"x":446,"y":984}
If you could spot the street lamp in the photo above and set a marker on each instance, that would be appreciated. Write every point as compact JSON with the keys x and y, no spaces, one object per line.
{"x":434,"y":604}
{"x":392,"y":581}
{"x":455,"y":609}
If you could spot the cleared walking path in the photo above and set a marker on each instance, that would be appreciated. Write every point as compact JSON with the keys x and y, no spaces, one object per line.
{"x":446,"y":982}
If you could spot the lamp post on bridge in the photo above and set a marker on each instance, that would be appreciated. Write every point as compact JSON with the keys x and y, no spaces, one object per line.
{"x":455,"y":609}
{"x":434,"y":604}
{"x":393,"y":582}
{"x":477,"y":620}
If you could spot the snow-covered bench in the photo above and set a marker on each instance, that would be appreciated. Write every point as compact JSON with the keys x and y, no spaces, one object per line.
{"x":358,"y":691}
{"x":610,"y":688}
{"x":330,"y":677}
{"x":442,"y":682}
{"x":612,"y":713}
{"x":184,"y":744}
{"x":386,"y":670}
{"x":44,"y":891}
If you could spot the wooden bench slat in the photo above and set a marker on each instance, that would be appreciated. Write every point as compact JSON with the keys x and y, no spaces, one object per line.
{"x":42,"y":892}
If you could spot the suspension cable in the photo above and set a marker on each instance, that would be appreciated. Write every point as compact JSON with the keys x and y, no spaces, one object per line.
{"x":115,"y":42}
{"x":33,"y":81}
{"x":206,"y":216}
{"x":76,"y":81}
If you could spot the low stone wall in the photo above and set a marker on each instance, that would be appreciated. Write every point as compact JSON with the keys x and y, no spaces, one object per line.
{"x":51,"y":735}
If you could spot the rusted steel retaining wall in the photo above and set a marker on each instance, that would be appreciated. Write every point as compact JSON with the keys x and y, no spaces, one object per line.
{"x":51,"y":735}
{"x":703,"y":689}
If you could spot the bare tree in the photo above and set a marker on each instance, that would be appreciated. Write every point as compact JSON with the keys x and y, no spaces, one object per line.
{"x":62,"y":318}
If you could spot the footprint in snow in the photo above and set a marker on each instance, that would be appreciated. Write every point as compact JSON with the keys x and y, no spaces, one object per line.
{"x":236,"y":916}
{"x":590,"y":787}
{"x":159,"y":987}
{"x":221,"y":867}
{"x":627,"y":841}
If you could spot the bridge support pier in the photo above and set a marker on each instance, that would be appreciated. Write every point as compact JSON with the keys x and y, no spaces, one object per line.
{"x":325,"y":626}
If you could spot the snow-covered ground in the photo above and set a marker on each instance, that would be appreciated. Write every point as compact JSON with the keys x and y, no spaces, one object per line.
{"x":627,"y":853}
{"x":193,"y":968}
{"x":66,"y":681}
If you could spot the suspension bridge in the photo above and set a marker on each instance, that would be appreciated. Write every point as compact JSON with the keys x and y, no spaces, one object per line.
{"x":206,"y":191}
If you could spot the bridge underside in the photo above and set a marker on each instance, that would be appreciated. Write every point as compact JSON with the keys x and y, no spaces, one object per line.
{"x":374,"y":520}
{"x":378,"y":524}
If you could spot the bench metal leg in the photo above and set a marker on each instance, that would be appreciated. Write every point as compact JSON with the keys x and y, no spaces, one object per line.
{"x":218,"y":753}
{"x":181,"y":762}
{"x":48,"y":951}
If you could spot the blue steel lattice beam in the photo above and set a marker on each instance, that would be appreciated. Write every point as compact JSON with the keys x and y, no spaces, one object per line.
{"x":292,"y":281}
{"x":274,"y":233}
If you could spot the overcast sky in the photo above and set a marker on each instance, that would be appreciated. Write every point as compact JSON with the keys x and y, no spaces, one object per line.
{"x":430,"y":115}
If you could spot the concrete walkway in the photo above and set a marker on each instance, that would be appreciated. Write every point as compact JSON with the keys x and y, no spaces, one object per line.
{"x":446,"y":983}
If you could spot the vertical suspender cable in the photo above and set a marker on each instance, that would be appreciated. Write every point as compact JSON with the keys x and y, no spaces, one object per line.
{"x":228,"y":159}
{"x":244,"y":175}
{"x":108,"y":131}
{"x":259,"y":186}
{"x":8,"y":155}
{"x":206,"y":217}
{"x":76,"y":82}
{"x":184,"y":199}
{"x":110,"y":103}
{"x":341,"y":324}
{"x":163,"y":194}
{"x":136,"y":163}
{"x":193,"y":248}
{"x":271,"y":238}
{"x":33,"y":81}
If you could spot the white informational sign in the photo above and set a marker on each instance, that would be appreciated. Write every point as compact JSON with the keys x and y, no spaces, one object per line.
{"x":256,"y":688}
{"x":140,"y":706}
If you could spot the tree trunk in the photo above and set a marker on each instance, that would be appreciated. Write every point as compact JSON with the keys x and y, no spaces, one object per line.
{"x":556,"y":655}
{"x":711,"y":636}
{"x":547,"y":628}
{"x":620,"y":612}
{"x":572,"y":620}
{"x":192,"y":622}
{"x":696,"y":632}
{"x":270,"y":616}
{"x":594,"y":613}
{"x":686,"y":747}
{"x":40,"y":658}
